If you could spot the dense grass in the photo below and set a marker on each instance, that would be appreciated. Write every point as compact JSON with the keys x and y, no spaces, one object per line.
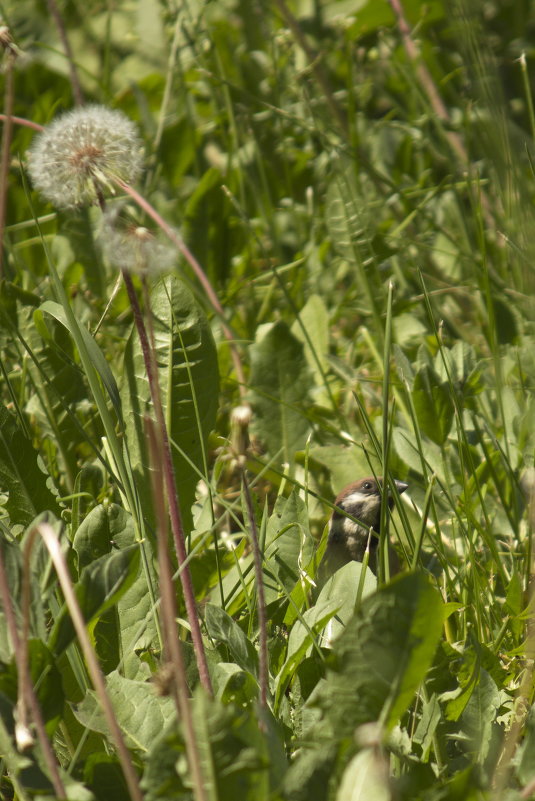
{"x":324,"y":271}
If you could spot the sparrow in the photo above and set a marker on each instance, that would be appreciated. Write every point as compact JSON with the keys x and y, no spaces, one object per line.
{"x":348,"y":539}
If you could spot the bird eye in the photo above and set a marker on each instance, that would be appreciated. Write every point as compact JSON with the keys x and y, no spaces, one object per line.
{"x":367,"y":485}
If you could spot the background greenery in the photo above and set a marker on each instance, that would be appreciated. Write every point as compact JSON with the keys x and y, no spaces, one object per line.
{"x":356,"y":180}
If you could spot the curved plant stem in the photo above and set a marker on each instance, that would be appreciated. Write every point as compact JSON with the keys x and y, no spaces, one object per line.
{"x":26,"y":690}
{"x":97,"y":677}
{"x":263,"y":669}
{"x":197,"y":269}
{"x":170,"y":485}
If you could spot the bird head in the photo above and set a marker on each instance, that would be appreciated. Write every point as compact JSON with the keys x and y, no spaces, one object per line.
{"x":360,"y":500}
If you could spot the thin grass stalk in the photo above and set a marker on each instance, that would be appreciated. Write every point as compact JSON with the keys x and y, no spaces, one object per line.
{"x":7,"y":132}
{"x":172,"y":644}
{"x":315,"y":65}
{"x":97,"y":677}
{"x":73,"y":73}
{"x":199,"y":272}
{"x":384,"y":569}
{"x":26,"y":688}
{"x":485,"y":531}
{"x":263,"y":663}
{"x":426,"y":80}
{"x":170,"y":484}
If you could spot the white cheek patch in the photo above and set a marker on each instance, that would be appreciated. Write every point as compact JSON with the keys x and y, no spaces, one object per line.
{"x":358,"y":500}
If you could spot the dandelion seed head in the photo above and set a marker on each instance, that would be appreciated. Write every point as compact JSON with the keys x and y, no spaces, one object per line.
{"x":131,"y":246}
{"x":77,"y":158}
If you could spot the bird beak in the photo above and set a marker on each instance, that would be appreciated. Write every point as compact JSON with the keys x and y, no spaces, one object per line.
{"x":401,"y":486}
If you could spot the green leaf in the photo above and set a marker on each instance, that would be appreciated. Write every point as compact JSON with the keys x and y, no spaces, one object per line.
{"x":279,"y":393}
{"x":433,"y":404}
{"x":382,"y":655}
{"x":108,"y":527}
{"x":314,"y":319}
{"x":22,"y":477}
{"x":97,"y":357}
{"x":101,"y":585}
{"x":241,"y":754}
{"x":288,"y":545}
{"x":302,"y":635}
{"x":366,"y":777}
{"x":141,"y":713}
{"x":189,"y":383}
{"x":342,"y":588}
{"x":222,"y":628}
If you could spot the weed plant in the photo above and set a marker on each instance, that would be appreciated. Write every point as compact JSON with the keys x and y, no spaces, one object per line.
{"x":252,"y":252}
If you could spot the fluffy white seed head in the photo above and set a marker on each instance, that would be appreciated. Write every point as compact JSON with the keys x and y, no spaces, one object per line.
{"x":131,"y":246}
{"x":76,"y":158}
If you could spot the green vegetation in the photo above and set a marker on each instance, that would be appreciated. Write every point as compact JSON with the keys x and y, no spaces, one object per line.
{"x":322,"y":270}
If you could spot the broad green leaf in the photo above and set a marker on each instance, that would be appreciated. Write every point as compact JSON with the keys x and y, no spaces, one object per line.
{"x":101,"y":585}
{"x":222,"y":628}
{"x":478,"y":728}
{"x":433,"y":404}
{"x":382,"y":655}
{"x":366,"y":778}
{"x":141,"y":713}
{"x":345,"y":464}
{"x":279,"y":394}
{"x":314,"y":319}
{"x":241,"y":753}
{"x":189,"y":382}
{"x":233,"y":685}
{"x":23,"y":479}
{"x":106,"y":528}
{"x":342,"y":589}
